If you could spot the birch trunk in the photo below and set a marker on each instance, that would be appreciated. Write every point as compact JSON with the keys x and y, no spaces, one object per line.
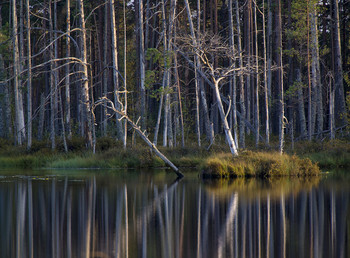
{"x":142,"y":65}
{"x":85,"y":81}
{"x":19,"y":113}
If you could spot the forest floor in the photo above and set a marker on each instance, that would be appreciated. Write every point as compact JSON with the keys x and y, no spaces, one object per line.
{"x":305,"y":159}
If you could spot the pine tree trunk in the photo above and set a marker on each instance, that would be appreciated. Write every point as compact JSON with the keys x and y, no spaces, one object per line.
{"x":29,"y":80}
{"x":52,"y":83}
{"x":310,"y":124}
{"x":257,"y":83}
{"x":316,"y":76}
{"x":301,"y":111}
{"x":233,"y":85}
{"x":105,"y":70}
{"x":241,"y":95}
{"x":209,"y":127}
{"x":280,"y":73}
{"x":67,"y":82}
{"x":85,"y":81}
{"x":142,"y":65}
{"x":179,"y":101}
{"x":197,"y":81}
{"x":267,"y":117}
{"x":331,"y":109}
{"x":2,"y":90}
{"x":269,"y":56}
{"x":165,"y":77}
{"x":125,"y":88}
{"x":339,"y":103}
{"x":116,"y":93}
{"x":19,"y":113}
{"x":41,"y":116}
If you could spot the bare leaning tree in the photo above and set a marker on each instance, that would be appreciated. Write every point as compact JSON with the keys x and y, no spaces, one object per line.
{"x":207,"y":48}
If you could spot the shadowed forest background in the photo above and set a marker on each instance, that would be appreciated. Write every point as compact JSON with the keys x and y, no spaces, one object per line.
{"x":182,"y":71}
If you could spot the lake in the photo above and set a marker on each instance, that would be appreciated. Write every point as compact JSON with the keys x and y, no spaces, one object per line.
{"x":131,"y":213}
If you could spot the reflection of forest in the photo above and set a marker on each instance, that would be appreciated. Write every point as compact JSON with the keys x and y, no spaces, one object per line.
{"x":113,"y":216}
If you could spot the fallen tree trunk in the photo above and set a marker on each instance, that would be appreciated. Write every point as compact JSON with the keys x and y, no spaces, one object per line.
{"x":109,"y":104}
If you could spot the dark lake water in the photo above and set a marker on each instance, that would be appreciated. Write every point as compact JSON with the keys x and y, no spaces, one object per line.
{"x":149,"y":214}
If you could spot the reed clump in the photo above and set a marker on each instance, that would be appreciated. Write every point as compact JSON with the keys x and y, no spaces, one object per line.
{"x":257,"y":164}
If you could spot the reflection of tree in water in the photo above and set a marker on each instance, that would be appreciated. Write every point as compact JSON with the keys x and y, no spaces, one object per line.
{"x":91,"y":217}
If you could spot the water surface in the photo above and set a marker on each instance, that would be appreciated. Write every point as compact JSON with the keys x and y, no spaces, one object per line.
{"x":150,"y":214}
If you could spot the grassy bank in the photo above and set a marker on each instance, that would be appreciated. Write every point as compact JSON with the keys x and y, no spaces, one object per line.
{"x":328,"y":154}
{"x":257,"y":164}
{"x":216,"y":162}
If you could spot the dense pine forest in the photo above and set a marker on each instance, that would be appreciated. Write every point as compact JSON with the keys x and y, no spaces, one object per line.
{"x":174,"y":71}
